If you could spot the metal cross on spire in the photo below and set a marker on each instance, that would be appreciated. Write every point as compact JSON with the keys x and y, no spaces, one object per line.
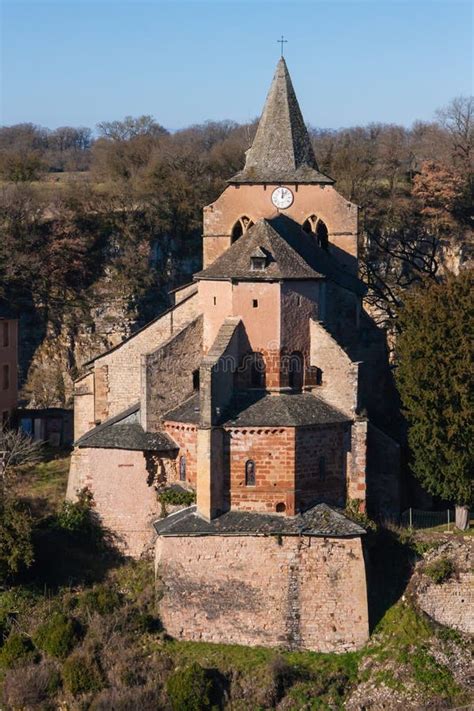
{"x":282,"y":41}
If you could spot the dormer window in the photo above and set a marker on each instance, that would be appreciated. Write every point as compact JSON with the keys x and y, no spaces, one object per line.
{"x":258,"y":260}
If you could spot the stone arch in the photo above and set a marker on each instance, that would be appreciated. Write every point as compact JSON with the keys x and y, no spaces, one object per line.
{"x":314,"y":225}
{"x":296,"y":370}
{"x":243,"y":224}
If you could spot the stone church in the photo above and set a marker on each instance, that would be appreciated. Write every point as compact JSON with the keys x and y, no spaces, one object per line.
{"x":265,"y":388}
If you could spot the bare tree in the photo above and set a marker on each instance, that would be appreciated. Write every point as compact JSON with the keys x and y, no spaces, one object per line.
{"x":16,"y":448}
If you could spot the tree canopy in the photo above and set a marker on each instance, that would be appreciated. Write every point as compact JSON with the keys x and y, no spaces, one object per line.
{"x":435,"y":380}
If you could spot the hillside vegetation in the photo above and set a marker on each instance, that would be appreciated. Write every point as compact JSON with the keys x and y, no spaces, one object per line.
{"x":81,"y":630}
{"x":96,"y":230}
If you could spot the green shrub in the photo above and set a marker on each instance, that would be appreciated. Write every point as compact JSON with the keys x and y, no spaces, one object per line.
{"x":440,"y":570}
{"x":58,"y":636}
{"x":75,"y":516}
{"x":16,"y":549}
{"x":17,"y":647}
{"x":81,"y":675}
{"x":102,"y":599}
{"x":189,"y":689}
{"x":175,"y":496}
{"x":353,"y":512}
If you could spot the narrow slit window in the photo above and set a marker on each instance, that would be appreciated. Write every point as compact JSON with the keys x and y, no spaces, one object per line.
{"x":215,"y":300}
{"x":6,"y":334}
{"x":182,"y":468}
{"x":249,"y":472}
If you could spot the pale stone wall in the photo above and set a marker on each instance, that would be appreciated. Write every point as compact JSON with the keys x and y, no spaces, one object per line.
{"x":122,"y":366}
{"x":122,"y":484}
{"x":340,"y":376}
{"x":303,"y":593}
{"x":167,"y":374}
{"x":450,"y":603}
{"x":254,"y":201}
{"x":84,"y":414}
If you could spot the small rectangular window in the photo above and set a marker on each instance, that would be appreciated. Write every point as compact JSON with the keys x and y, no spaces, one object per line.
{"x":5,"y":377}
{"x":215,"y":300}
{"x":255,"y":303}
{"x":5,"y":334}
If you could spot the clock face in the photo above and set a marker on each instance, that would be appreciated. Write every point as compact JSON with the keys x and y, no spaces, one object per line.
{"x":282,"y":198}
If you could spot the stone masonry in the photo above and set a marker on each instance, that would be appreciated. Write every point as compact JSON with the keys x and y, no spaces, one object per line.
{"x":305,"y":593}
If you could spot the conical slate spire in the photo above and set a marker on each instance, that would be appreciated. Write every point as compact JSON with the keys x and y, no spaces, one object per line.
{"x":281,"y":150}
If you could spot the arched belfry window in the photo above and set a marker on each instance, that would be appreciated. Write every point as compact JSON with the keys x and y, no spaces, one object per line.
{"x":249,"y":472}
{"x":295,"y":370}
{"x":309,"y":225}
{"x":314,"y":225}
{"x":243,"y":224}
{"x":322,"y":234}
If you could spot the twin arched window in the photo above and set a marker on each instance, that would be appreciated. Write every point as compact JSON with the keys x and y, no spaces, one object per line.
{"x":243,"y":224}
{"x":314,"y":225}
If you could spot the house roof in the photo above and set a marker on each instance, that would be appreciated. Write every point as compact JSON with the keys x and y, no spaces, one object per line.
{"x":124,"y":431}
{"x":291,"y":253}
{"x":281,"y":151}
{"x":254,"y":409}
{"x":319,"y":521}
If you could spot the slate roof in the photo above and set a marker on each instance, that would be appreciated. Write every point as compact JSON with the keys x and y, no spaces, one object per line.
{"x":124,"y":431}
{"x":319,"y":521}
{"x":264,"y":410}
{"x":281,"y":151}
{"x":291,"y":254}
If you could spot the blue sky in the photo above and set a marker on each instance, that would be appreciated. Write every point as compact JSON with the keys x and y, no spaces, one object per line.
{"x":77,"y":62}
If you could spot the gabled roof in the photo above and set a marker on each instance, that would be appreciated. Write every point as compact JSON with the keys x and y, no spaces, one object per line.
{"x":291,"y":254}
{"x":124,"y":431}
{"x":319,"y":521}
{"x":254,"y":409}
{"x":281,"y":151}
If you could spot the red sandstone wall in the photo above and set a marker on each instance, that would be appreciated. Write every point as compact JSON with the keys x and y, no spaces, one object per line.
{"x":185,"y":437}
{"x":273,"y":451}
{"x":300,"y":592}
{"x":317,"y":480}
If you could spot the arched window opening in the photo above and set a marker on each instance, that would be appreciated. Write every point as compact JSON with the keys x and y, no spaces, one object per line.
{"x":257,"y":371}
{"x":249,"y":472}
{"x":280,"y":507}
{"x":295,"y":370}
{"x":182,"y":468}
{"x":309,"y":225}
{"x":243,"y":224}
{"x":322,"y":234}
{"x":196,"y":380}
{"x":237,"y":231}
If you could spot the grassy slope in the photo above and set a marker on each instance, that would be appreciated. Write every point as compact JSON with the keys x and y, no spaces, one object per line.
{"x":133,"y":658}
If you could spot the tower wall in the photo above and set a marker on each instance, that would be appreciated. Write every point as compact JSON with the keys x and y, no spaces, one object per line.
{"x":254,"y":201}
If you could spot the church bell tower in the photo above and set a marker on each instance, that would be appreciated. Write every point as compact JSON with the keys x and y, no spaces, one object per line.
{"x":281,"y":175}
